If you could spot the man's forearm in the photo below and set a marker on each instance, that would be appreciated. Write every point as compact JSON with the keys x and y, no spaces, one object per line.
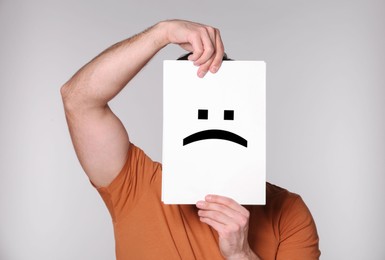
{"x":105,"y":76}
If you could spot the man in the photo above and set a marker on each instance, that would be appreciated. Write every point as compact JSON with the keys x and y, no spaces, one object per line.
{"x":129,"y":182}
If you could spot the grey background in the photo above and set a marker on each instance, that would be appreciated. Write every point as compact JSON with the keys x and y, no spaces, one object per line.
{"x":325,"y":119}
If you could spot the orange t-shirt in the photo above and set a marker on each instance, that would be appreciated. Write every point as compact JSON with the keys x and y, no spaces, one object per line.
{"x":145,"y":228}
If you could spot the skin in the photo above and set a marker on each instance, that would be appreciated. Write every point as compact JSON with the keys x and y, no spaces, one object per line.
{"x":101,"y":141}
{"x":231,"y":221}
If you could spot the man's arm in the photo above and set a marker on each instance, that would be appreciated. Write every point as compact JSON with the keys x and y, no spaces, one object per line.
{"x":99,"y":138}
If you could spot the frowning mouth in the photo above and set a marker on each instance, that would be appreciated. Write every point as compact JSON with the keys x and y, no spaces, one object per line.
{"x":215,"y":134}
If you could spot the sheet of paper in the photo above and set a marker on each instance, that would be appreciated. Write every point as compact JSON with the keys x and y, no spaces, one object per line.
{"x":214,"y":132}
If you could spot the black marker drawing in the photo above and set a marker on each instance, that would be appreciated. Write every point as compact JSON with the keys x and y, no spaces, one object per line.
{"x":203,"y":114}
{"x":215,"y":133}
{"x":228,"y":115}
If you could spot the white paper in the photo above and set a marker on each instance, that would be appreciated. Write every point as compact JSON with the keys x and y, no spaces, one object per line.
{"x":193,"y":168}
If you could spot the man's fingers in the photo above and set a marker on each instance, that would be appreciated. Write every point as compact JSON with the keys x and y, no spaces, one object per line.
{"x":227,"y":212}
{"x":208,"y":41}
{"x":215,"y":61}
{"x":204,"y":68}
{"x":222,"y":223}
{"x":227,"y":202}
{"x":218,"y":212}
{"x":214,"y":224}
{"x":197,"y":47}
{"x":217,"y":216}
{"x":219,"y":52}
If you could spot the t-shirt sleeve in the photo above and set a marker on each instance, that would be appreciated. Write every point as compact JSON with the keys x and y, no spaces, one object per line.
{"x":139,"y":175}
{"x":298,"y":232}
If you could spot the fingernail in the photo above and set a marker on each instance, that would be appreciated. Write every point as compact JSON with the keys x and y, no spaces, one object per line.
{"x":214,"y":69}
{"x":201,"y":74}
{"x":200,"y":204}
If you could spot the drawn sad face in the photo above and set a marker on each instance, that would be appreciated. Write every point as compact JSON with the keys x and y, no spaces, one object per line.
{"x":219,"y":116}
{"x":215,"y":133}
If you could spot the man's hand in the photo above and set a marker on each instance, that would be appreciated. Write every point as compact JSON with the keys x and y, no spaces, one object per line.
{"x":203,"y":41}
{"x":231,"y":221}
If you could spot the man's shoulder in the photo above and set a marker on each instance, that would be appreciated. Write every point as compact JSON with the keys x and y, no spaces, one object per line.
{"x":287,"y":204}
{"x":273,"y":190}
{"x":276,"y":195}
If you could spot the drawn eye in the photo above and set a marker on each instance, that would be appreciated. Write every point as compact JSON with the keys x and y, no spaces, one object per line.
{"x":228,"y":115}
{"x":203,"y":114}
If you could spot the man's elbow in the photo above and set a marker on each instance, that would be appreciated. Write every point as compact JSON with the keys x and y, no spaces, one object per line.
{"x":73,"y":101}
{"x":64,"y":91}
{"x":77,"y":100}
{"x":68,"y":100}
